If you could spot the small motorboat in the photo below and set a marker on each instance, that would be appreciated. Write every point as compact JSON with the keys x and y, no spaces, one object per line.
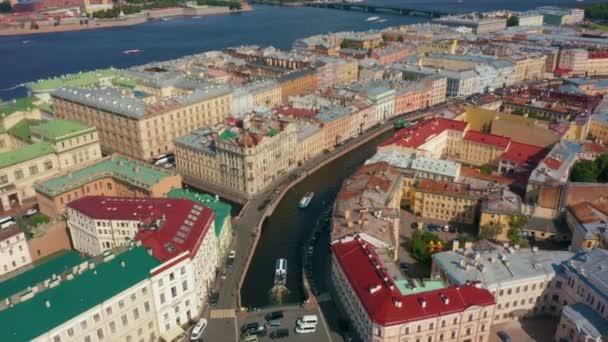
{"x":280,"y":272}
{"x":305,"y":201}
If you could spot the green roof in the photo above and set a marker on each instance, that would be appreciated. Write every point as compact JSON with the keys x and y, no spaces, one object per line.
{"x":16,"y":105}
{"x":124,"y":81}
{"x":25,"y":153}
{"x":421,"y":286}
{"x":227,"y":135}
{"x":56,"y":265}
{"x":22,"y":129}
{"x":138,"y":174}
{"x":221,"y":209}
{"x":29,"y":319}
{"x":75,"y":80}
{"x":59,"y":129}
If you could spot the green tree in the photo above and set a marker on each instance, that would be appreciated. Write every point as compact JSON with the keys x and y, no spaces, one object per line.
{"x":513,"y":21}
{"x":487,"y":169}
{"x":6,"y":7}
{"x":516,"y":226}
{"x":584,"y":171}
{"x":489,"y":231}
{"x":597,"y":11}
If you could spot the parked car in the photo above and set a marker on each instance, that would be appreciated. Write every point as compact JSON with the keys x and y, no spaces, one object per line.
{"x":31,"y":212}
{"x":229,"y":262}
{"x":198,"y":330}
{"x":403,"y":266}
{"x":272,"y":316}
{"x":232,"y":254}
{"x":308,"y":320}
{"x":504,"y":336}
{"x":214,"y":297}
{"x":306,"y":329}
{"x":251,"y":328}
{"x":281,"y":333}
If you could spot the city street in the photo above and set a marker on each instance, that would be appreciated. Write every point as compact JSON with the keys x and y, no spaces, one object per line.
{"x":538,"y":329}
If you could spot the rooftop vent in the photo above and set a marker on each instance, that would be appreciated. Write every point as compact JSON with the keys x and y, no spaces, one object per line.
{"x":374,"y":289}
{"x":422,"y":302}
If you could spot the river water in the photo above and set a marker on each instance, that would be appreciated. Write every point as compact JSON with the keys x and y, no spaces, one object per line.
{"x":28,"y":58}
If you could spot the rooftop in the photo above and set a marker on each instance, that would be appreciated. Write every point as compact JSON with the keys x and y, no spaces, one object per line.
{"x":502,"y":202}
{"x":498,"y":266}
{"x":16,"y":105}
{"x":136,"y":173}
{"x":524,"y":155}
{"x":381,"y":297}
{"x":411,"y":161}
{"x":590,"y":267}
{"x":77,"y":80}
{"x":587,"y":320}
{"x":25,"y":153}
{"x":487,"y":139}
{"x":415,"y":136}
{"x":169,"y":226}
{"x":221,"y":209}
{"x":56,"y":265}
{"x":446,"y":188}
{"x":59,"y":129}
{"x":33,"y":317}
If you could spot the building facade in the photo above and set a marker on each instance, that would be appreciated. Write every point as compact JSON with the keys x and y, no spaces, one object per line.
{"x":14,"y":251}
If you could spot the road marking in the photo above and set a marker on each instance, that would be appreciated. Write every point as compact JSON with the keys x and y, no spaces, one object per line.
{"x":222,"y":313}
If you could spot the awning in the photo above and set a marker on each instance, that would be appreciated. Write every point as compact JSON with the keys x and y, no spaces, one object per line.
{"x":172,"y":333}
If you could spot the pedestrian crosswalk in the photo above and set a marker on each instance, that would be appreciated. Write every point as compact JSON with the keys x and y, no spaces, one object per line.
{"x":222,"y":313}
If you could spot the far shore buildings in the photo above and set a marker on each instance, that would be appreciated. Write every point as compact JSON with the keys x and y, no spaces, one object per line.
{"x":384,"y":305}
{"x":114,"y":175}
{"x":43,"y":150}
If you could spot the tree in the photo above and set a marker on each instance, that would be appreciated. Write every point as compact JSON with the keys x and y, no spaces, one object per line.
{"x":490,"y":231}
{"x":513,"y":21}
{"x":487,"y":169}
{"x":584,"y":171}
{"x":516,"y":226}
{"x":6,"y":7}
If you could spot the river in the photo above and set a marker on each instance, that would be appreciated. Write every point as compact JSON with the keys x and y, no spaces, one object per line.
{"x":284,"y":233}
{"x":28,"y":58}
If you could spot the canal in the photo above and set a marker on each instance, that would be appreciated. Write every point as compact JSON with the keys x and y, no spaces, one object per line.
{"x":286,"y":232}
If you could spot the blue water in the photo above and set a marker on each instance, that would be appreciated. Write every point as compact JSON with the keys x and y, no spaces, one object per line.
{"x":58,"y":53}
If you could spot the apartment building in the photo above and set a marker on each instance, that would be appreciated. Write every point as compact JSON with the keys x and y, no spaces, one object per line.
{"x":114,"y":175}
{"x":245,"y":160}
{"x":384,"y":305}
{"x":587,"y":223}
{"x":518,"y":278}
{"x":310,"y":141}
{"x":55,"y":145}
{"x":73,"y":299}
{"x":454,"y":202}
{"x":297,"y":83}
{"x":14,"y":251}
{"x":479,"y":24}
{"x":497,"y":209}
{"x":528,"y":67}
{"x":142,"y":123}
{"x":264,"y":93}
{"x":179,"y":233}
{"x":338,"y":125}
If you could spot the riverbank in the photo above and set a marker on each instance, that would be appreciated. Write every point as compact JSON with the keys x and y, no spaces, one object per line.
{"x":79,"y":24}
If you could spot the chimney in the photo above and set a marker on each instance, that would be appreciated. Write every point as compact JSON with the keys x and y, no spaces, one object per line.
{"x":122,"y":264}
{"x":374,"y":289}
{"x":455,"y":245}
{"x":444,"y":299}
{"x":422,"y":302}
{"x":47,"y":303}
{"x":347,"y":214}
{"x":397,"y":302}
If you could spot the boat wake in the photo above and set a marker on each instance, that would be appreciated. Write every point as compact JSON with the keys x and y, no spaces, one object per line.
{"x":14,"y":87}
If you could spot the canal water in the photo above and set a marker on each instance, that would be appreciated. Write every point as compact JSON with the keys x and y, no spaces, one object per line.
{"x":286,"y":232}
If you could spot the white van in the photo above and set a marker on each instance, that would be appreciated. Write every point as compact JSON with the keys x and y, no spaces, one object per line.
{"x":251,"y":338}
{"x":306,"y":329}
{"x":308,"y":319}
{"x":198,"y":330}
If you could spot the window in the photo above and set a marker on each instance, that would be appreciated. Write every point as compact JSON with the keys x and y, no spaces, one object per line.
{"x":100,"y":333}
{"x":124,"y":320}
{"x":87,"y":338}
{"x":112,"y":327}
{"x":121,"y":303}
{"x":185,"y":285}
{"x":83,"y":325}
{"x":173,"y":292}
{"x":18,"y":174}
{"x":71,"y":332}
{"x":135,"y":313}
{"x":56,"y":338}
{"x":147,"y":306}
{"x":109,"y":310}
{"x":162,"y":298}
{"x":3,"y":179}
{"x":48,"y":165}
{"x":171,"y":276}
{"x":33,"y":170}
{"x":470,"y":318}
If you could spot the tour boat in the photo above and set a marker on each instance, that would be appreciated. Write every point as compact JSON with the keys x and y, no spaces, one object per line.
{"x":305,"y":201}
{"x":131,"y":52}
{"x":372,"y":19}
{"x":381,"y":21}
{"x":280,"y":272}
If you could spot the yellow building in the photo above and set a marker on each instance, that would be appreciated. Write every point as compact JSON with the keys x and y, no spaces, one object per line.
{"x":528,"y":68}
{"x":496,"y":212}
{"x":447,"y":201}
{"x":143,"y":124}
{"x":265,"y":93}
{"x":598,"y":126}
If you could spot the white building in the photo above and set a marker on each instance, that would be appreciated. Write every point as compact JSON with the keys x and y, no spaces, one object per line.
{"x":14,"y":252}
{"x":178,"y":232}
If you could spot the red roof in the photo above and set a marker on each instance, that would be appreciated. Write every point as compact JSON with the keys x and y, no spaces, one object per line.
{"x":183,"y":223}
{"x":553,"y":163}
{"x":597,"y":54}
{"x":382,"y":300}
{"x":561,"y":71}
{"x":297,"y":112}
{"x":417,"y":135}
{"x":526,"y":156}
{"x":487,"y":139}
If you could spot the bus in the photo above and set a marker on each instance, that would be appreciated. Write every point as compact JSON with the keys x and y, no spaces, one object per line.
{"x":7,"y":221}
